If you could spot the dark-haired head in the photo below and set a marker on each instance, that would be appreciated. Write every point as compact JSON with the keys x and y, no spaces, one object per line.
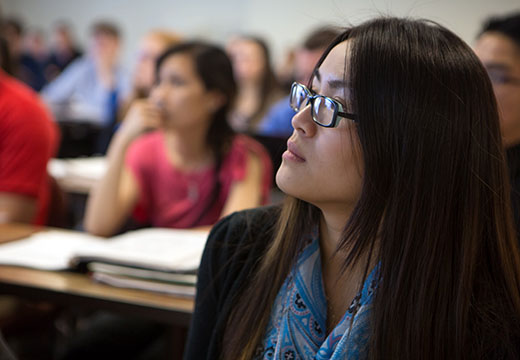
{"x":12,"y":31}
{"x":214,"y":69}
{"x":433,"y":207}
{"x":498,"y":47}
{"x":105,"y":28}
{"x":311,"y":50}
{"x":320,"y":38}
{"x":508,"y":25}
{"x":252,"y":68}
{"x":104,"y":43}
{"x":5,"y":58}
{"x":251,"y":59}
{"x":435,"y":182}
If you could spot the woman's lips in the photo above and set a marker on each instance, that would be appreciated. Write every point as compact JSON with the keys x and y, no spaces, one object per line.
{"x":292,"y":153}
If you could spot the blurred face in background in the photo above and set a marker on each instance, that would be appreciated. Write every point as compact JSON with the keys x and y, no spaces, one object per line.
{"x":13,"y":37}
{"x":181,"y":96}
{"x":104,"y":48}
{"x":151,"y":46}
{"x":304,"y":63}
{"x":501,"y":57}
{"x":62,"y":40}
{"x":248,"y":58}
{"x":35,"y":44}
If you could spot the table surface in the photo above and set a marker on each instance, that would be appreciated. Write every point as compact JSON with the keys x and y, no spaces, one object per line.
{"x":77,"y":175}
{"x":67,"y":288}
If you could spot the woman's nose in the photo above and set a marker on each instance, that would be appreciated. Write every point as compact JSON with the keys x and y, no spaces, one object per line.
{"x":302,"y":122}
{"x":157,"y":94}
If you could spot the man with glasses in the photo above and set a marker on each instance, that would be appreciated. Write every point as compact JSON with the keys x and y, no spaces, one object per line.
{"x":498,"y":47}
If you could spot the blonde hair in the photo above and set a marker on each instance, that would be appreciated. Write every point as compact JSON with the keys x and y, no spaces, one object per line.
{"x":166,"y":37}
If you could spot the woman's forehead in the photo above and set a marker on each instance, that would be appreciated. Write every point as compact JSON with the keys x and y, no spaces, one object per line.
{"x":333,"y":66}
{"x":178,"y":60}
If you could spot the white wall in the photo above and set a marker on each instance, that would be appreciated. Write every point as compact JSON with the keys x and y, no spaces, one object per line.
{"x":282,"y":22}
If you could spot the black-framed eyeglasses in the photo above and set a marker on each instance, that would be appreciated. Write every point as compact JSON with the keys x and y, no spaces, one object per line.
{"x":324,"y":110}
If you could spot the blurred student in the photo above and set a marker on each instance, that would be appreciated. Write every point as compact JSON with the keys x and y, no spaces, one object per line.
{"x":151,"y":46}
{"x":498,"y":47}
{"x":27,"y":51}
{"x":285,"y":70}
{"x":257,"y":85}
{"x":35,"y":44}
{"x":396,"y":240}
{"x":64,"y":51}
{"x":91,"y":87}
{"x":12,"y":32}
{"x":191,"y":169}
{"x":34,"y":59}
{"x":277,"y":121}
{"x":29,"y":138}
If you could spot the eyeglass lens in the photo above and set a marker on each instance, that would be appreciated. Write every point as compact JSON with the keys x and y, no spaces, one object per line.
{"x":298,"y":97}
{"x":322,"y":108}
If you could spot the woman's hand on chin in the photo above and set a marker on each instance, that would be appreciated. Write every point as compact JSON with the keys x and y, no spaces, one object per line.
{"x":142,"y":116}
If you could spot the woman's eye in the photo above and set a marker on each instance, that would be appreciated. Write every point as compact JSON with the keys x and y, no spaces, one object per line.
{"x":340,"y":101}
{"x":175,"y":80}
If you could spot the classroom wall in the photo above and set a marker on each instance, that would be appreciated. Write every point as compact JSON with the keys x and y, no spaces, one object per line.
{"x":282,"y":22}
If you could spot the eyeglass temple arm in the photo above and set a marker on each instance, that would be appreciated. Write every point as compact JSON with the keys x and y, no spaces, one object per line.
{"x":347,"y":115}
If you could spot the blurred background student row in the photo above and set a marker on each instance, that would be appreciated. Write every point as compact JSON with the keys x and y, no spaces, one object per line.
{"x":93,"y":95}
{"x":183,"y":131}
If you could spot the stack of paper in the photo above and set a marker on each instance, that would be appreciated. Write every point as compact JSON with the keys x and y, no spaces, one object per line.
{"x":164,"y":259}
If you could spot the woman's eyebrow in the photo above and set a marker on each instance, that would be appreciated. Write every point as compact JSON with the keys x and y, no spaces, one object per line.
{"x":337,"y":84}
{"x":497,"y":66}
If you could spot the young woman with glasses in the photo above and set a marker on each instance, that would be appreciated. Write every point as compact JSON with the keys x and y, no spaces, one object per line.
{"x":191,"y":169}
{"x":396,"y":239}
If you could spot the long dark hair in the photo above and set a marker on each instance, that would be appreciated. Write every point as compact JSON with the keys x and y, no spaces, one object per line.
{"x":434,"y":209}
{"x":216,"y":72}
{"x":269,"y":81}
{"x":269,"y":87}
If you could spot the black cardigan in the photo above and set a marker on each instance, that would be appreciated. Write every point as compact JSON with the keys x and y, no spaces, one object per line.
{"x":232,"y":252}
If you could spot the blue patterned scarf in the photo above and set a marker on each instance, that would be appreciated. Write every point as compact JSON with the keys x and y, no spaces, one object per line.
{"x":297,"y":326}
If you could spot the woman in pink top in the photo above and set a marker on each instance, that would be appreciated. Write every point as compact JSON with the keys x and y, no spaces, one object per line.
{"x":190,"y":169}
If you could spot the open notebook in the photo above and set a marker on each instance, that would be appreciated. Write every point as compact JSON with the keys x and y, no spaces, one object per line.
{"x":165,"y":250}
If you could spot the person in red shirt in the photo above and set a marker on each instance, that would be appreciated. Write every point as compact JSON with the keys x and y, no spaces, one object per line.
{"x":28,"y":139}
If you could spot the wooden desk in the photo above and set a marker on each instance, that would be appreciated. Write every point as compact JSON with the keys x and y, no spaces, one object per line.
{"x":72,"y":289}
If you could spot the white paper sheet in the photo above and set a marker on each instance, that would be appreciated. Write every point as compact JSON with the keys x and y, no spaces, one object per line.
{"x":91,"y":168}
{"x":156,"y":248}
{"x":48,"y":250}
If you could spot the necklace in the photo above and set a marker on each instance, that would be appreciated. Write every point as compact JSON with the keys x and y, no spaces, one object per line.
{"x":193,"y":191}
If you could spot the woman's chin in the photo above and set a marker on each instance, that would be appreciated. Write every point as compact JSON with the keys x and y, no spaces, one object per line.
{"x":283,"y":180}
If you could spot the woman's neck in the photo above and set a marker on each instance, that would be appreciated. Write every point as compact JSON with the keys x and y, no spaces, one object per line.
{"x":188,"y":150}
{"x":340,"y":286}
{"x":332,"y":224}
